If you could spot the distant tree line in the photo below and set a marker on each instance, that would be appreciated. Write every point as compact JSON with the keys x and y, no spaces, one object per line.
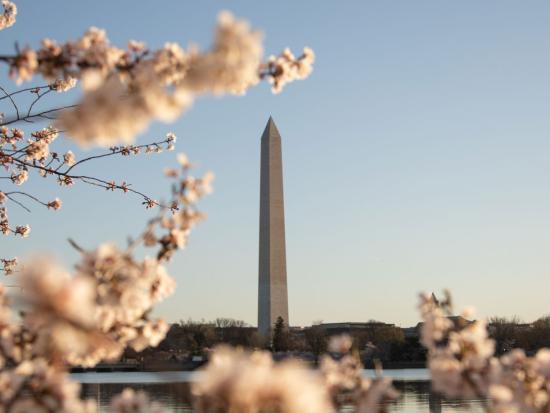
{"x":191,"y":338}
{"x":376,"y":341}
{"x":510,"y":333}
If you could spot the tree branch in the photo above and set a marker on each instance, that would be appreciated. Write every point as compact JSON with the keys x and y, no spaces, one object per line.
{"x":36,"y":115}
{"x":116,"y":152}
{"x":38,"y":96}
{"x":12,"y":101}
{"x":17,"y":202}
{"x":27,"y":195}
{"x":27,"y":89}
{"x":94,"y":181}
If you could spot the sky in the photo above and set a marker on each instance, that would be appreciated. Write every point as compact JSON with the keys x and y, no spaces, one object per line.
{"x":415,"y":157}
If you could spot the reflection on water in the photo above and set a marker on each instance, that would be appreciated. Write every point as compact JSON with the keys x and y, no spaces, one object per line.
{"x":174,"y":396}
{"x":416,"y":395}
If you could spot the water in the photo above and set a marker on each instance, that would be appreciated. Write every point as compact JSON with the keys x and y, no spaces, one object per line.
{"x":172,"y":390}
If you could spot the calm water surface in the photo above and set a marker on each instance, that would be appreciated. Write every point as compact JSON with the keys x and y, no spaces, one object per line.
{"x":172,"y":390}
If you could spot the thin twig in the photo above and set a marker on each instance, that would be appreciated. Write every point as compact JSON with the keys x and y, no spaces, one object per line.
{"x":18,"y":203}
{"x":12,"y":101}
{"x":75,"y":245}
{"x":27,"y":195}
{"x":38,"y":115}
{"x":38,"y":96}
{"x":23,"y":90}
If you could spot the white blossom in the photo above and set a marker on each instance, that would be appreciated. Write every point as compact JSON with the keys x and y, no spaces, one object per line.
{"x":69,"y":158}
{"x":23,"y":230}
{"x":286,"y":68}
{"x":55,"y":204}
{"x":7,"y":18}
{"x":19,"y":178}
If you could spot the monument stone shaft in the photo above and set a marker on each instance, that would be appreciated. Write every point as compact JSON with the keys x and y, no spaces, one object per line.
{"x":272,"y":290}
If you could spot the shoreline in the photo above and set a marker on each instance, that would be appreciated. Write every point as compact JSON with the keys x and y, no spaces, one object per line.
{"x":163,"y":366}
{"x":404,"y":375}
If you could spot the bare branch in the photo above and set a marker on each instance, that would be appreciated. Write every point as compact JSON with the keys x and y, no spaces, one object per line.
{"x":27,"y":195}
{"x":27,"y":89}
{"x":18,"y":203}
{"x":12,"y":101}
{"x":37,"y":115}
{"x":38,"y":96}
{"x":75,"y":245}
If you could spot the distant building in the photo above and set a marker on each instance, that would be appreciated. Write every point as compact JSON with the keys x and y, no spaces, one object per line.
{"x":350,"y":326}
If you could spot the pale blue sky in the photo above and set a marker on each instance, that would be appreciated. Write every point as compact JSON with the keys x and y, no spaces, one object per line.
{"x":415,"y":157}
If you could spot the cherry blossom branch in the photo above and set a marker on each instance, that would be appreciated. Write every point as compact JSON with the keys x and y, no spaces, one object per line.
{"x":36,"y":155}
{"x":66,"y":179}
{"x":158,"y":84}
{"x":61,"y":62}
{"x":125,"y":150}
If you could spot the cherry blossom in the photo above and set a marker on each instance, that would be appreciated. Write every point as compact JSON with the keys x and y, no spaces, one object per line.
{"x":7,"y":18}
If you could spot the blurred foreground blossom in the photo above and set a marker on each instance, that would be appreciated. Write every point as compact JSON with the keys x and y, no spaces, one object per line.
{"x":58,"y":308}
{"x":237,"y":381}
{"x":95,"y":314}
{"x":340,"y":344}
{"x":126,"y":89}
{"x":345,"y":383}
{"x":28,"y":381}
{"x":462,"y":363}
{"x":20,"y":386}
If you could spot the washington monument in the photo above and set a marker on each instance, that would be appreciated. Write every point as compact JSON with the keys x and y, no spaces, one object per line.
{"x":272,"y":288}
